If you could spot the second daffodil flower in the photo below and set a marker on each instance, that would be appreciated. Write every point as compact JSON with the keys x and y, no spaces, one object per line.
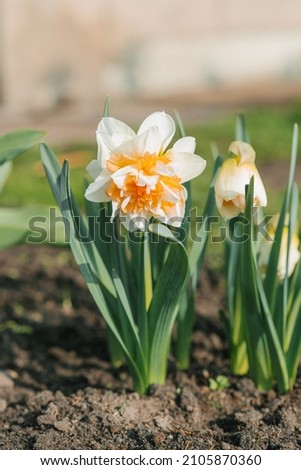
{"x":139,"y":175}
{"x":235,"y":173}
{"x":265,"y":246}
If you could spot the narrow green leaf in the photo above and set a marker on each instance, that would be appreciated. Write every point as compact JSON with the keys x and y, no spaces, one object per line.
{"x":106,"y":111}
{"x":264,"y":349}
{"x":257,"y":345}
{"x":185,"y":322}
{"x":164,"y":307}
{"x":271,"y":280}
{"x":82,"y":258}
{"x":293,"y":339}
{"x":53,"y":172}
{"x":5,"y":170}
{"x":129,"y":328}
{"x":179,"y":123}
{"x":17,"y":142}
{"x":198,"y":246}
{"x":241,"y":132}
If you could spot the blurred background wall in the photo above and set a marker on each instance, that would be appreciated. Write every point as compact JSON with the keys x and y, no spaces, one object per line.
{"x":72,"y":52}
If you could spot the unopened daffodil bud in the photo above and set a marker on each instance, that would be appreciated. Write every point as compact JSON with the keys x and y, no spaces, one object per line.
{"x":234,"y":175}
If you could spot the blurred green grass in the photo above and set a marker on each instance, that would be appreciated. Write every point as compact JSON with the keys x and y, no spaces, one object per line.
{"x":270,"y":129}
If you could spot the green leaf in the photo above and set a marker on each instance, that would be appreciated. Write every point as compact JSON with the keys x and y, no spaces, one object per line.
{"x":129,"y":328}
{"x":5,"y":170}
{"x":106,"y":111}
{"x":17,"y":142}
{"x":180,"y":124}
{"x":264,"y":348}
{"x":185,"y":322}
{"x":198,"y":246}
{"x":82,"y":257}
{"x":257,"y":345}
{"x":93,"y":269}
{"x":81,"y":234}
{"x":164,"y":305}
{"x":186,"y":312}
{"x":219,"y":383}
{"x":27,"y":224}
{"x":293,"y":339}
{"x":241,"y":132}
{"x":271,"y":280}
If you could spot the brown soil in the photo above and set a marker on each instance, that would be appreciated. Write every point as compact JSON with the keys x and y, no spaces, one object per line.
{"x":58,"y":391}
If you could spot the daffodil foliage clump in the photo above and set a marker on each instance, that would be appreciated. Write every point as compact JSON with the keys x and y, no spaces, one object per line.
{"x":135,"y":249}
{"x":263,"y":323}
{"x":133,"y":245}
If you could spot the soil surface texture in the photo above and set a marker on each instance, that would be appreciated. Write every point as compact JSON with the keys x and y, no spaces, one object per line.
{"x":58,"y":390}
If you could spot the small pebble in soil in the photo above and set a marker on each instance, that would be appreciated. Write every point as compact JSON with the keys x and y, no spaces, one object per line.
{"x":3,"y":405}
{"x":226,"y":446}
{"x":5,"y":380}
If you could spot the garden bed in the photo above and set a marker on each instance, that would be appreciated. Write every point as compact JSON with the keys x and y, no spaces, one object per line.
{"x":58,"y":390}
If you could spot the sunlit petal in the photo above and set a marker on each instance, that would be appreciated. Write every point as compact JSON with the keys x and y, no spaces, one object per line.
{"x":117,"y":130}
{"x":150,"y":141}
{"x":94,"y":169}
{"x":96,"y":191}
{"x":187,"y":165}
{"x":185,"y":144}
{"x":164,"y":123}
{"x":244,"y":151}
{"x":111,"y":133}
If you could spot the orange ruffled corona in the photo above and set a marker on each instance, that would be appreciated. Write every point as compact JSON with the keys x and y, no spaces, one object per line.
{"x":139,"y":175}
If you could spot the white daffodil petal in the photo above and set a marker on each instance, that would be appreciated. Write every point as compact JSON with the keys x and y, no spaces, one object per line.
{"x":218,"y":201}
{"x":111,"y":133}
{"x":115,"y":129}
{"x":164,"y":123}
{"x":164,"y":170}
{"x":146,"y":180}
{"x":133,"y":222}
{"x":169,"y":195}
{"x":185,"y":144}
{"x":232,"y":180}
{"x":229,"y":210}
{"x":176,"y":215}
{"x":120,"y":175}
{"x":115,"y":210}
{"x":96,"y":191}
{"x":149,"y":142}
{"x":244,"y":151}
{"x":259,"y":191}
{"x":125,"y":202}
{"x":187,"y":165}
{"x":94,"y":169}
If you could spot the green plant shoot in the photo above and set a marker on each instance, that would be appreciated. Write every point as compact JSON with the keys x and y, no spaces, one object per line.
{"x":132,"y":244}
{"x":263,"y":273}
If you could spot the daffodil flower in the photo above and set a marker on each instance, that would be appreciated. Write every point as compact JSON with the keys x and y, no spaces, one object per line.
{"x":139,"y":175}
{"x":265,"y":246}
{"x":235,"y":173}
